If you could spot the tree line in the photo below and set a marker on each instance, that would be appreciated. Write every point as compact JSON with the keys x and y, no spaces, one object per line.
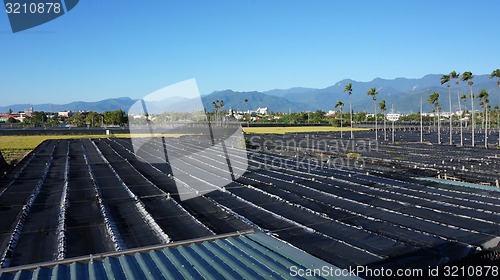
{"x":433,"y":99}
{"x":79,"y":119}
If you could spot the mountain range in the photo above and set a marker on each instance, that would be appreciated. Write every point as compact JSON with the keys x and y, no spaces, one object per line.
{"x":403,"y":93}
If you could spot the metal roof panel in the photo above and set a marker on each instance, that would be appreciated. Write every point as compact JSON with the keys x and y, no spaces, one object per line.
{"x":250,"y":256}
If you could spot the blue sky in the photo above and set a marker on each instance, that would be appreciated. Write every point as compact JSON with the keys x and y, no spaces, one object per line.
{"x":106,"y":49}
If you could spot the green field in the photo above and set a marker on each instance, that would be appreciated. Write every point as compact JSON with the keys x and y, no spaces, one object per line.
{"x":31,"y":141}
{"x":292,"y":129}
{"x":14,"y":148}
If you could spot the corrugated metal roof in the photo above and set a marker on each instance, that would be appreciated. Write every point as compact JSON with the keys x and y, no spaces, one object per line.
{"x":461,"y":184}
{"x":251,"y":256}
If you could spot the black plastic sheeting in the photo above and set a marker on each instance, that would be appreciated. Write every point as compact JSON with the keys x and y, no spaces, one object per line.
{"x":428,"y":159}
{"x":449,"y":234}
{"x":116,"y":200}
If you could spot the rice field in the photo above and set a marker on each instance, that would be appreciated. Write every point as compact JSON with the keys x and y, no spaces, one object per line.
{"x":14,"y":148}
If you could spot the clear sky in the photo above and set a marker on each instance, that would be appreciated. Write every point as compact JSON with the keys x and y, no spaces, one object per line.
{"x":115,"y":48}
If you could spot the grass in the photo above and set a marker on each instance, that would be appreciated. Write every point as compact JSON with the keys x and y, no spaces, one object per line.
{"x":30,"y":142}
{"x":352,"y":155}
{"x":12,"y":157}
{"x":14,"y":148}
{"x":292,"y":129}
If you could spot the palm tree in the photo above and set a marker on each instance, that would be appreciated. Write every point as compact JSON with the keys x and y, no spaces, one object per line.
{"x":433,"y":99}
{"x":382,"y":108}
{"x":455,"y":76}
{"x":421,"y":122}
{"x":445,"y":79}
{"x":373,"y":93}
{"x":496,"y":74}
{"x":218,"y":104}
{"x":348,"y":89}
{"x":467,"y":77}
{"x":341,"y":105}
{"x":464,"y":98}
{"x":497,"y":112}
{"x":243,"y":113}
{"x":485,"y":103}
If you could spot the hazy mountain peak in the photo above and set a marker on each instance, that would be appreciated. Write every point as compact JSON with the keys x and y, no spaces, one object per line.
{"x":344,"y":82}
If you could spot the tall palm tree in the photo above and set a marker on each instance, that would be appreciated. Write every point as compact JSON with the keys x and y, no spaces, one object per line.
{"x":341,"y":105}
{"x":218,"y":108}
{"x":373,"y":93}
{"x":455,"y":76}
{"x":216,"y":105}
{"x":382,"y":108}
{"x":496,"y":74}
{"x":497,"y":113}
{"x":463,"y":97}
{"x":433,"y":99}
{"x":243,"y":112}
{"x":485,"y":103}
{"x":348,"y":89}
{"x":421,"y":122}
{"x":467,"y":77}
{"x":445,"y":79}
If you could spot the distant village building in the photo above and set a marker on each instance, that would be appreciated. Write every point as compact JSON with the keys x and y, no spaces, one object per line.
{"x":17,"y":116}
{"x":331,"y":113}
{"x":64,"y":114}
{"x":393,"y":117}
{"x":4,"y":118}
{"x":446,"y":114}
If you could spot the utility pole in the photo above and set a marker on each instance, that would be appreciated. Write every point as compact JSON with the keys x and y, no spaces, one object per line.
{"x":421,"y":122}
{"x":392,"y":112}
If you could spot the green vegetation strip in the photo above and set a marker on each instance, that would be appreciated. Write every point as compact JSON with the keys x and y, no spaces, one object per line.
{"x":31,"y":141}
{"x":14,"y":148}
{"x":295,"y":129}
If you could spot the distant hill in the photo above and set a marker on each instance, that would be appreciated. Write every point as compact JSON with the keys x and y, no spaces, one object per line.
{"x":98,"y":106}
{"x":404,"y":93}
{"x":236,"y":101}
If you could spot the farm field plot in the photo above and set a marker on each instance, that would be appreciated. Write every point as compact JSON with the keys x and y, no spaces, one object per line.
{"x":402,"y":159}
{"x":78,"y":197}
{"x":430,"y":135}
